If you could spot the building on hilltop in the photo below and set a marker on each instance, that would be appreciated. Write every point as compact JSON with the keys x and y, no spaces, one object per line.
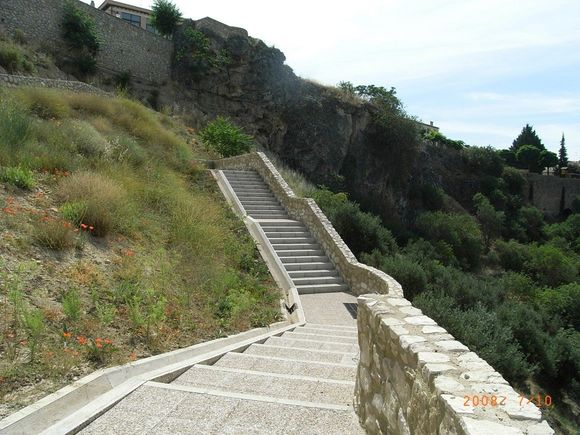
{"x":134,"y":15}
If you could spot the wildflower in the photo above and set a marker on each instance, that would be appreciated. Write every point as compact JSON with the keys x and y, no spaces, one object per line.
{"x":99,"y":345}
{"x":129,"y":253}
{"x":107,"y":341}
{"x":133,"y":356}
{"x":66,"y":334}
{"x":23,"y":343}
{"x":84,"y":226}
{"x":91,"y":228}
{"x":82,"y":340}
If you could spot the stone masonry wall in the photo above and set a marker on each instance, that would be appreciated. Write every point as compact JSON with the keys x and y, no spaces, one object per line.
{"x":12,"y":81}
{"x":414,"y":378}
{"x":360,"y":277}
{"x":548,"y":190}
{"x":125,"y":47}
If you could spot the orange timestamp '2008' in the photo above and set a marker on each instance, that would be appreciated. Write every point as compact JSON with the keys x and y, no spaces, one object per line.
{"x":493,"y":400}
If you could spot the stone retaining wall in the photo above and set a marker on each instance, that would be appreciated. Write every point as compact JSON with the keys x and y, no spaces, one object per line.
{"x":124,"y":47}
{"x":414,"y":378}
{"x":12,"y":81}
{"x":359,"y":277}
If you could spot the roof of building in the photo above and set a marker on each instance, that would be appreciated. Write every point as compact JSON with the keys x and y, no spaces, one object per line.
{"x":108,"y":3}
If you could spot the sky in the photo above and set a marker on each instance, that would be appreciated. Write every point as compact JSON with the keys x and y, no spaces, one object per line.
{"x":479,"y":69}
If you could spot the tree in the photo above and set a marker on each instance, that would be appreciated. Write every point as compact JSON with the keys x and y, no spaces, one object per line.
{"x":529,"y":157}
{"x":490,"y":219}
{"x":527,"y":137}
{"x":548,"y":160}
{"x":562,"y":155}
{"x":165,"y":17}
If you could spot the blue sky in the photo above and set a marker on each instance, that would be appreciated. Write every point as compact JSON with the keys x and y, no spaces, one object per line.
{"x":479,"y":69}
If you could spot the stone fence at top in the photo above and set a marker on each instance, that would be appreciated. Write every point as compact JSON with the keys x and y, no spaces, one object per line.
{"x":12,"y":81}
{"x":359,"y":277}
{"x":413,"y":377}
{"x":125,"y":47}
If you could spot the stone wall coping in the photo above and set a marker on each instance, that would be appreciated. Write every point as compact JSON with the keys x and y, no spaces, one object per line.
{"x":11,"y":80}
{"x":360,"y":277}
{"x":436,"y":367}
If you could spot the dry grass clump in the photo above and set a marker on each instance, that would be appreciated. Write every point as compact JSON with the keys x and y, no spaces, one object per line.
{"x":102,"y":197}
{"x":54,"y":234}
{"x":45,"y":103}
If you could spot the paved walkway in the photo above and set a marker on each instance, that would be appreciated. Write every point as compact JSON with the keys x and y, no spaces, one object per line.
{"x":330,"y":308}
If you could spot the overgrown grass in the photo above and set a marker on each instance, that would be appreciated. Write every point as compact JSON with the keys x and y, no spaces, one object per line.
{"x":178,"y":266}
{"x":14,"y":58}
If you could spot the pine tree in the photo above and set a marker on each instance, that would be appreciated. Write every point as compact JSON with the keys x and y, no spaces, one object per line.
{"x":562,"y":155}
{"x":527,"y":137}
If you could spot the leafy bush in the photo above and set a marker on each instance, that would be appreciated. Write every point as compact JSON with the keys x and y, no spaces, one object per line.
{"x":104,"y":200}
{"x":406,"y":271}
{"x":512,"y":255}
{"x":514,"y":180}
{"x":165,"y":16}
{"x":79,"y":30}
{"x":18,"y":176}
{"x":225,"y":138}
{"x":561,"y":303}
{"x":460,"y":231}
{"x":362,"y":232}
{"x":80,"y":33}
{"x":14,"y":59}
{"x":484,"y":160}
{"x":550,"y":266}
{"x":480,"y":329}
{"x":532,"y":221}
{"x":491,"y":220}
{"x":440,"y":138}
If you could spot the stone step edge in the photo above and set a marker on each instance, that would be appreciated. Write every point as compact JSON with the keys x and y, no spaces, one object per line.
{"x":277,"y":358}
{"x":301,"y":349}
{"x":272,"y":375}
{"x":330,"y":325}
{"x":312,"y":340}
{"x":319,"y":337}
{"x":242,"y":396}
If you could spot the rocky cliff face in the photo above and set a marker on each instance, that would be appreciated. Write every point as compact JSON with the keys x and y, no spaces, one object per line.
{"x":318,"y":130}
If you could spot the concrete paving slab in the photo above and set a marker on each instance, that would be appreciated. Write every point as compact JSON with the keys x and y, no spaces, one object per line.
{"x":283,"y":365}
{"x":264,"y":384}
{"x":318,"y":337}
{"x":312,"y":344}
{"x":329,"y":308}
{"x":303,"y":354}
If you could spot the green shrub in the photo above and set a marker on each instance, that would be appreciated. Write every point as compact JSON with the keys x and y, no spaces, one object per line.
{"x":74,"y":211}
{"x":13,"y":58}
{"x":532,"y":221}
{"x":514,"y":180}
{"x":490,"y":219}
{"x":561,"y":303}
{"x":407,"y":272}
{"x":165,"y":16}
{"x":550,"y":266}
{"x":79,"y":30}
{"x":512,"y":255}
{"x":479,"y":329}
{"x":225,"y":138}
{"x":362,"y":232}
{"x":87,"y":141}
{"x":484,"y":160}
{"x":460,"y":231}
{"x":33,"y":322}
{"x":18,"y":176}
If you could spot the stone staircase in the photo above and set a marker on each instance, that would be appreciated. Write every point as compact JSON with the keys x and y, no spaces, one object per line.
{"x":307,"y":265}
{"x":301,"y":382}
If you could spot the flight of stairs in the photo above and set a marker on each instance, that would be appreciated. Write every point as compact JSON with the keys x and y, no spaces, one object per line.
{"x":306,"y":263}
{"x":299,"y":383}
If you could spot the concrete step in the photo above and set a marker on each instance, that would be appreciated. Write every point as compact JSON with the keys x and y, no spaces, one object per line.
{"x":260,"y":216}
{"x":287,"y":223}
{"x":312,"y":344}
{"x":298,"y":354}
{"x":304,"y":259}
{"x":324,"y":329}
{"x":275,"y":229}
{"x":273,"y":236}
{"x":282,"y":386}
{"x":315,"y":265}
{"x":263,"y":207}
{"x":294,"y":246}
{"x":312,"y":273}
{"x":284,"y":365}
{"x":321,"y":288}
{"x":248,"y":191}
{"x":247,"y":182}
{"x":292,"y":240}
{"x":255,"y":195}
{"x":174,"y":409}
{"x":321,"y":337}
{"x":311,"y":280}
{"x":260,"y":202}
{"x":299,"y":252}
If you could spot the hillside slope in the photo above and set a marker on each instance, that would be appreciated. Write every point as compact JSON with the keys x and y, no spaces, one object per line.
{"x":114,"y":244}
